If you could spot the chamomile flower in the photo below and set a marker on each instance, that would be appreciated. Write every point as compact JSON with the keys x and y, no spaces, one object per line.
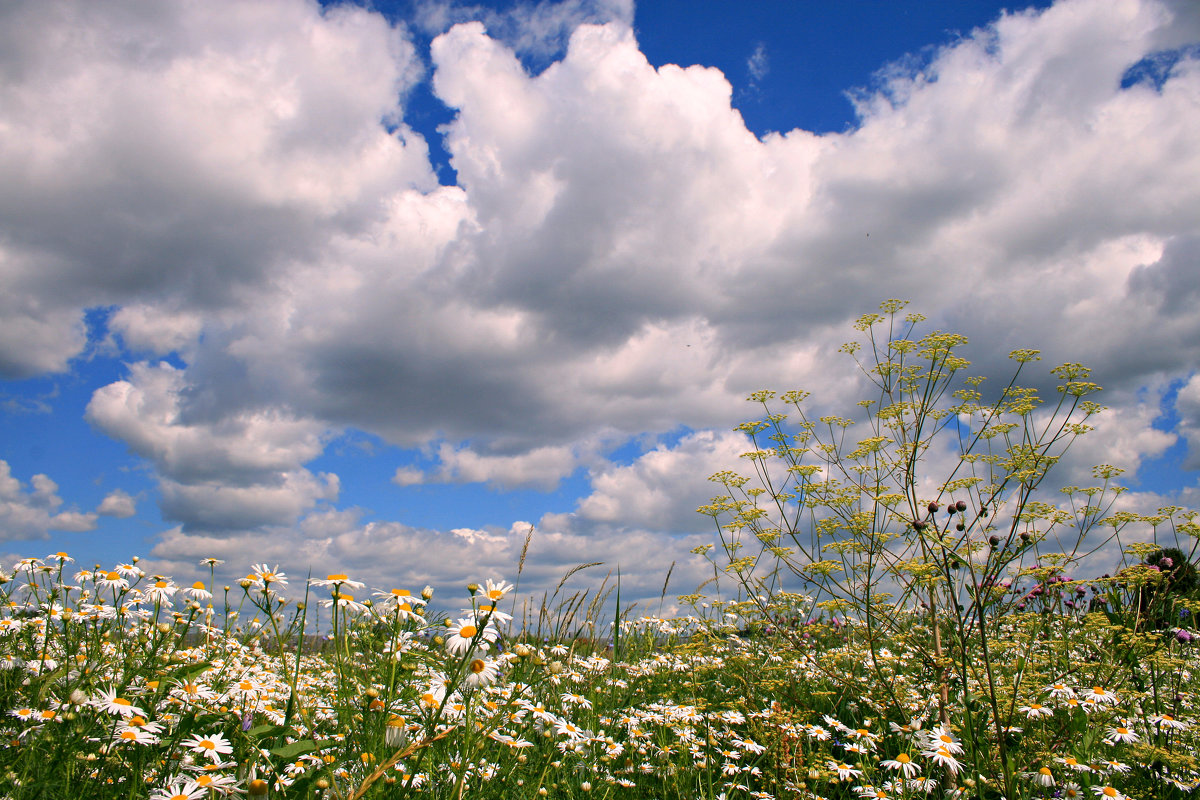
{"x":1073,"y":763}
{"x":111,"y":580}
{"x":944,"y":758}
{"x":134,"y":735}
{"x":494,"y":591}
{"x":465,"y":633}
{"x":339,"y":580}
{"x":197,"y":591}
{"x":844,"y":771}
{"x":109,"y":701}
{"x":1167,"y":721}
{"x":940,"y":737}
{"x":213,"y":746}
{"x":1107,"y":792}
{"x":481,"y":671}
{"x":1035,"y":710}
{"x":1119,"y":733}
{"x":1100,"y":695}
{"x":903,"y":764}
{"x":1042,"y":777}
{"x":180,"y":790}
{"x":344,"y":601}
{"x":493,"y":615}
{"x":267,"y":578}
{"x":160,"y":591}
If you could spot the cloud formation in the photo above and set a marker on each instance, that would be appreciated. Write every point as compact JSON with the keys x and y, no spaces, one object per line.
{"x":30,"y":512}
{"x":234,"y":185}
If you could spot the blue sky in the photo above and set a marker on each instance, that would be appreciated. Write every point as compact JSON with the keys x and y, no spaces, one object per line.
{"x":377,"y":290}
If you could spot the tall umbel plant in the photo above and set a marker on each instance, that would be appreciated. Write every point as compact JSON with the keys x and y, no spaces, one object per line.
{"x":921,"y":517}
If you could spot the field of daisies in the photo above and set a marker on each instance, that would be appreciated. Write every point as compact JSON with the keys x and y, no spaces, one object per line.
{"x":116,"y":683}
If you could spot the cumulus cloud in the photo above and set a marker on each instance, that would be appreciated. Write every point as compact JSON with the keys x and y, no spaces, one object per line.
{"x":117,"y":503}
{"x":620,"y":255}
{"x":230,"y":472}
{"x":662,"y":488}
{"x":1187,"y":405}
{"x":388,"y":555}
{"x":184,"y":156}
{"x":29,"y":512}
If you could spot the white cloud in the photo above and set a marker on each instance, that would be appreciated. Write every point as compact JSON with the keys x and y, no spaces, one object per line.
{"x":389,"y":555}
{"x":117,"y":503}
{"x":621,"y":255}
{"x":758,"y":64}
{"x":543,"y":467}
{"x":234,"y":471}
{"x":662,"y":488}
{"x":29,"y":513}
{"x":1187,"y":405}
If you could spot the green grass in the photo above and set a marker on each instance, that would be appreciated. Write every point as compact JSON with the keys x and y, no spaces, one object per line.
{"x":118,"y":685}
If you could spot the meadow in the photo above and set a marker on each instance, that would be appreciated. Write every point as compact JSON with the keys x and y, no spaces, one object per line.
{"x":868,"y":632}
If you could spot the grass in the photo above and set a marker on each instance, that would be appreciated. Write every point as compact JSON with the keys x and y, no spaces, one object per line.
{"x":115,"y":684}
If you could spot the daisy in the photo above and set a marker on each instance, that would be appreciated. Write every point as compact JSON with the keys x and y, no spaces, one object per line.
{"x":266,"y":578}
{"x":111,"y":580}
{"x":872,"y":793}
{"x":495,"y":591}
{"x":903,"y":764}
{"x":342,"y":600}
{"x":481,"y":671}
{"x":1167,"y":721}
{"x":1035,"y":710}
{"x":944,"y":758}
{"x":1071,"y":791}
{"x":134,"y":735}
{"x":1070,"y":761}
{"x":845,"y":772}
{"x":180,"y":790}
{"x":108,"y":701}
{"x":1107,"y":792}
{"x":466,"y":633}
{"x":197,"y":591}
{"x":1043,"y":777}
{"x":339,"y":580}
{"x":161,"y":591}
{"x":223,"y":784}
{"x":1099,"y":694}
{"x":940,"y":737}
{"x":1060,"y":691}
{"x":493,"y":615}
{"x":1119,"y":733}
{"x":564,"y":727}
{"x":213,"y":746}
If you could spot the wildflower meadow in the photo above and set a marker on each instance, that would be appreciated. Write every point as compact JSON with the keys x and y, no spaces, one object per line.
{"x":903,"y":603}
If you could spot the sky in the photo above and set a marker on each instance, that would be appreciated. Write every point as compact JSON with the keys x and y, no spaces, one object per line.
{"x":380,"y":288}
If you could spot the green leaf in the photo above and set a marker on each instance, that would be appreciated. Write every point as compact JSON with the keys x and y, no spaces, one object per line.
{"x":262,"y":731}
{"x":291,"y":751}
